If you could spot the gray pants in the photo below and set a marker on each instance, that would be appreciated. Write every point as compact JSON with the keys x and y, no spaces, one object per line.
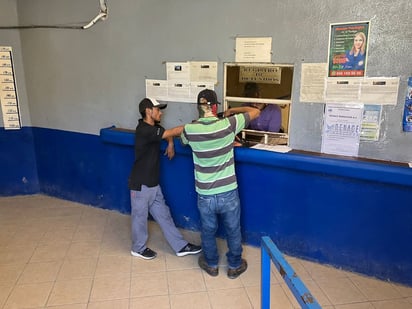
{"x":151,"y":200}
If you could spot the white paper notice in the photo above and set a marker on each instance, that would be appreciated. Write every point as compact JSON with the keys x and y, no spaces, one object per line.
{"x":253,"y":49}
{"x":203,"y":71}
{"x":157,"y":89}
{"x":179,"y":92}
{"x":178,"y":71}
{"x":339,"y":90}
{"x":195,"y":88}
{"x":380,"y":90}
{"x":341,"y":129}
{"x":312,"y":84}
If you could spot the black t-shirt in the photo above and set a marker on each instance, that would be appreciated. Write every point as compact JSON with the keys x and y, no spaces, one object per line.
{"x":146,"y":167}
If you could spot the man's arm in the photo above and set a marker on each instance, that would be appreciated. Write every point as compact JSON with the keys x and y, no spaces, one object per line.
{"x":252,"y":111}
{"x":168,"y":135}
{"x":176,"y":131}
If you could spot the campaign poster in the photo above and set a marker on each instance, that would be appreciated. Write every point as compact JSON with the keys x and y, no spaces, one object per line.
{"x":348,"y":49}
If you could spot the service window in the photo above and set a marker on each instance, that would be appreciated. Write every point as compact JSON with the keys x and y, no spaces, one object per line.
{"x":266,"y":86}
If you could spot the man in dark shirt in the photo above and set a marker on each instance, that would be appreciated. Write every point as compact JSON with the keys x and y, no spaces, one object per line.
{"x":145,"y":193}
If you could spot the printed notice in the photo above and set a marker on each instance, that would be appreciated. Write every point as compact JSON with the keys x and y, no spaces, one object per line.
{"x":342,"y":90}
{"x":253,"y":49}
{"x":157,"y":89}
{"x":312,"y":85}
{"x":379,"y":90}
{"x":371,"y":122}
{"x":178,"y":71}
{"x":341,"y":129}
{"x":8,"y":90}
{"x":178,"y":91}
{"x":196,"y":87}
{"x":203,"y":71}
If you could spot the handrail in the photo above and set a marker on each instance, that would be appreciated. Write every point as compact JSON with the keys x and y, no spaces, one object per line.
{"x":269,"y":251}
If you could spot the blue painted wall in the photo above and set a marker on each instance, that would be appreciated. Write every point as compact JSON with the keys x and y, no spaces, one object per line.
{"x":350,"y":214}
{"x":79,"y":167}
{"x":18,"y":170}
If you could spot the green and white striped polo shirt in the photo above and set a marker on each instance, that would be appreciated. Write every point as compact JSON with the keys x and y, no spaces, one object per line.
{"x":211,"y":140}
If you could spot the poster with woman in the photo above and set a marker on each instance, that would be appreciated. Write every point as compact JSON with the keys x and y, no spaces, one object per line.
{"x":348,"y":47}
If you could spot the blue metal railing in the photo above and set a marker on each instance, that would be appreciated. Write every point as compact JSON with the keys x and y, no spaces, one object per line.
{"x":269,"y":251}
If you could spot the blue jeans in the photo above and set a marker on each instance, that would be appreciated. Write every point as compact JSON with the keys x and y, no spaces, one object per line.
{"x":226,"y":206}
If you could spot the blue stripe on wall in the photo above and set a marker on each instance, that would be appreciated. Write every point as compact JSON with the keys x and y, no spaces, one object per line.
{"x":18,"y":171}
{"x":79,"y":167}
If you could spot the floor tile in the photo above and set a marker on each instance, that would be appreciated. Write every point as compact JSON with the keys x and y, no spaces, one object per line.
{"x":110,"y":304}
{"x":64,"y":255}
{"x":198,"y":300}
{"x":375,"y":290}
{"x":9,"y":273}
{"x":278,"y":297}
{"x":29,"y":296}
{"x":230,"y":299}
{"x":70,"y":292}
{"x":341,"y":291}
{"x":113,"y":264}
{"x":158,"y":302}
{"x":185,"y":281}
{"x":40,"y":272}
{"x":110,"y":287}
{"x":73,"y":268}
{"x":149,"y":284}
{"x":393,"y":304}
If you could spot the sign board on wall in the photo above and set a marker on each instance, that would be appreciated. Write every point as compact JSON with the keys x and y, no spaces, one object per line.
{"x":8,"y":90}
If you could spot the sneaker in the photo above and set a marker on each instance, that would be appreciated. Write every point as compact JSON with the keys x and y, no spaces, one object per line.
{"x":233,"y":273}
{"x":189,"y":249}
{"x":213,"y":271}
{"x":146,"y":254}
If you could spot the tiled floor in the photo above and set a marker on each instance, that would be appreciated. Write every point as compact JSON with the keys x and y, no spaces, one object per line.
{"x":59,"y":254}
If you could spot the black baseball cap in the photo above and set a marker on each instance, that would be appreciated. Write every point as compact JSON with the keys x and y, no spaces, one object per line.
{"x":209,"y":95}
{"x":150,"y":103}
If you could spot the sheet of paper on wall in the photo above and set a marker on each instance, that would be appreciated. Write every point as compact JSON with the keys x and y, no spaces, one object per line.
{"x":371,"y":122}
{"x":379,"y":90}
{"x":196,"y":87}
{"x":342,"y":129}
{"x":342,"y":90}
{"x":312,"y":83}
{"x":157,"y":89}
{"x":178,"y":71}
{"x":179,"y":92}
{"x":203,"y":71}
{"x":8,"y":91}
{"x":253,"y":49}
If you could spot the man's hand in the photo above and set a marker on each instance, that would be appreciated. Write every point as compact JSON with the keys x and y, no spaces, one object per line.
{"x":170,"y":151}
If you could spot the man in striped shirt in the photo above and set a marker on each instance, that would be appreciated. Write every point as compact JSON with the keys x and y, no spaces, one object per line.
{"x":211,"y":140}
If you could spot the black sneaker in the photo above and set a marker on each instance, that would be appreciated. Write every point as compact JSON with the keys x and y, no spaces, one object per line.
{"x":213,"y":271}
{"x":233,"y":273}
{"x":189,"y":249}
{"x":146,"y":254}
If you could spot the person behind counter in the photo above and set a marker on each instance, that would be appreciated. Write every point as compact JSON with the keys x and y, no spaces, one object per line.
{"x":270,"y":118}
{"x":145,"y":192}
{"x":211,"y":140}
